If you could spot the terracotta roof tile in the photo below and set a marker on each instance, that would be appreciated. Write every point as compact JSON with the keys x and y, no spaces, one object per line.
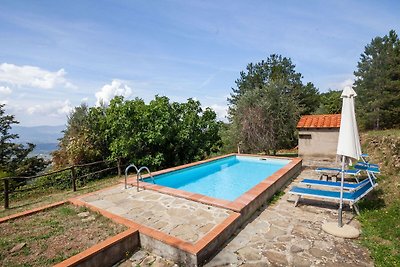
{"x":319,"y":121}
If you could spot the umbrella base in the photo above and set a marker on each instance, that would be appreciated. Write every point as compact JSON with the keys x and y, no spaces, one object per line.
{"x":346,"y":231}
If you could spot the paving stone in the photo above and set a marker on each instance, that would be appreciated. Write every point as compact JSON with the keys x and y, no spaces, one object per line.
{"x":249,"y":254}
{"x":285,"y":238}
{"x":117,"y":210}
{"x":299,"y":261}
{"x":160,"y":262}
{"x":185,"y":232}
{"x":274,"y":232}
{"x":148,"y":261}
{"x":103,"y":204}
{"x":84,"y":214}
{"x":276,"y":258}
{"x":206,"y":228}
{"x":224,"y":259}
{"x":304,"y":244}
{"x":319,"y":253}
{"x":126,"y":264}
{"x":296,"y":249}
{"x":89,"y":219}
{"x":138,"y":256}
{"x":255,"y":264}
{"x":17,"y":247}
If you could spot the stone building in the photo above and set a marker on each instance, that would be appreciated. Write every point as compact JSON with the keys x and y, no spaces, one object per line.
{"x":318,"y":135}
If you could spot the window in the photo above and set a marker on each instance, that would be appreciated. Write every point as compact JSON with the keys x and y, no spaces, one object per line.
{"x":304,"y":136}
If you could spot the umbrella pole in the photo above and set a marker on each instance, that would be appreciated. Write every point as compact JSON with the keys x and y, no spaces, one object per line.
{"x":340,"y":221}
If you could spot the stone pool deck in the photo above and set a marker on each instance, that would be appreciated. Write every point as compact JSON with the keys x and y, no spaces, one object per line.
{"x":178,"y":217}
{"x":283,"y":235}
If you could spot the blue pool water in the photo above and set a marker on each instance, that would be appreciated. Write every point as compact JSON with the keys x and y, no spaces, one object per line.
{"x":226,"y":178}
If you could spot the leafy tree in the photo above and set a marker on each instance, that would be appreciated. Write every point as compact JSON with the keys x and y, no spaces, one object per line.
{"x":267,"y":118}
{"x":276,"y":69}
{"x":331,"y":103}
{"x":78,"y":144}
{"x":14,"y":157}
{"x":159,"y":134}
{"x":378,"y":83}
{"x":267,"y":102}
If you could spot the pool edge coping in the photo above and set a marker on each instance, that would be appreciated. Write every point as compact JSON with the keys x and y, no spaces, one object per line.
{"x":236,"y":205}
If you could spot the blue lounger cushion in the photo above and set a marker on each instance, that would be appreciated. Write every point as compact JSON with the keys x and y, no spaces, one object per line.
{"x":367,"y":164}
{"x":367,"y":168}
{"x":347,"y":186}
{"x":351,"y":197}
{"x":351,"y":172}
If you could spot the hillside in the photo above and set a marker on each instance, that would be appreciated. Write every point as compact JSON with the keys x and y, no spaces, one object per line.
{"x":383,"y":148}
{"x":38,"y":134}
{"x":380,"y":212}
{"x":44,"y":137}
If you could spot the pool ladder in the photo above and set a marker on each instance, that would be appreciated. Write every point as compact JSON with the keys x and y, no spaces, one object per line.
{"x":138,"y":175}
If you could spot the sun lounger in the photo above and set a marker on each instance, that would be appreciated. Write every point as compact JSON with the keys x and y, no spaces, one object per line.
{"x":335,"y":185}
{"x":367,"y":164}
{"x":350,"y":197}
{"x":367,"y":168}
{"x":334,"y":173}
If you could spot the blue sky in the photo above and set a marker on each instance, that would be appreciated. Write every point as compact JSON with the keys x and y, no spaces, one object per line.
{"x":56,"y":54}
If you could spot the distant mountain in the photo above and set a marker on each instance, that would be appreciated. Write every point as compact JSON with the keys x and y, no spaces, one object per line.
{"x":38,"y":134}
{"x":44,"y":137}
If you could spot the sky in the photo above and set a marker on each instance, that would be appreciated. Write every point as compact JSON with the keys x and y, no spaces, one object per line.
{"x":55,"y":55}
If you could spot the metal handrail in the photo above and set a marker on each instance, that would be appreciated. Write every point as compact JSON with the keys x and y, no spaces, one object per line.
{"x":126,"y":174}
{"x":138,"y":175}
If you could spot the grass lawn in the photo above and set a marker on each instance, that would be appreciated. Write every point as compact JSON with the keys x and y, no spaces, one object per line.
{"x":53,"y":235}
{"x":37,"y":198}
{"x":381,"y":233}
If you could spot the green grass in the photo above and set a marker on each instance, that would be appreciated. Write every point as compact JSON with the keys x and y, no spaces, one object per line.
{"x":380,"y":133}
{"x":52,"y":235}
{"x":275,"y":197}
{"x":36,"y":198}
{"x":380,"y":211}
{"x":381,"y":232}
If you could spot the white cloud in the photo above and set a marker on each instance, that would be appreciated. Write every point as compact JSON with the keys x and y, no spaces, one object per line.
{"x":222,"y":112}
{"x":33,"y":76}
{"x":346,"y":83}
{"x":109,"y":91}
{"x":54,"y":109}
{"x":5,"y":90}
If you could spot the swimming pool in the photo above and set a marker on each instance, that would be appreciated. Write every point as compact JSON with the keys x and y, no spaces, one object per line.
{"x":227,"y":178}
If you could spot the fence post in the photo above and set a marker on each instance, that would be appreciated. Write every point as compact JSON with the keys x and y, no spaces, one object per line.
{"x":6,"y":189}
{"x":119,"y":166}
{"x":73,"y":178}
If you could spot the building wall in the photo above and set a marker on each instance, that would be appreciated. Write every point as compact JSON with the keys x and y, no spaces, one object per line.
{"x":318,"y":142}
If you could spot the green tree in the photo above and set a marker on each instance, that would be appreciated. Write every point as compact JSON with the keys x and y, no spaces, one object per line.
{"x":266,"y":119}
{"x":78,"y":144}
{"x":331,"y":103}
{"x":267,"y":102}
{"x":276,"y":69}
{"x":378,"y":83}
{"x":14,"y":157}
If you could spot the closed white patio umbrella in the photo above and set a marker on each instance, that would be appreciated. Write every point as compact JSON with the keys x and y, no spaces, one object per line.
{"x":349,"y":140}
{"x":348,"y":148}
